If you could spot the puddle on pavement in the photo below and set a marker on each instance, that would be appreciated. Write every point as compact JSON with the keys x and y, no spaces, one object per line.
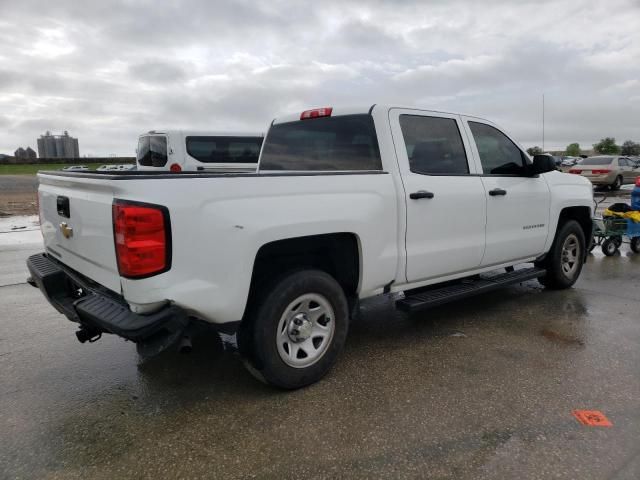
{"x":560,"y":338}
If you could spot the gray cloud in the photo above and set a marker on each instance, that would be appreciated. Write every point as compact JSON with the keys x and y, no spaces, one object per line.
{"x":107,"y":71}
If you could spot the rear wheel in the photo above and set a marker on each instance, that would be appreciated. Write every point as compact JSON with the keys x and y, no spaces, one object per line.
{"x":566,"y":257}
{"x":297,"y":329}
{"x":617,"y":183}
{"x":635,"y":244}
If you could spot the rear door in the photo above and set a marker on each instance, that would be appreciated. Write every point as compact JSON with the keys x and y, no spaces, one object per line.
{"x":517,"y":204}
{"x":444,"y":199}
{"x":152,"y":152}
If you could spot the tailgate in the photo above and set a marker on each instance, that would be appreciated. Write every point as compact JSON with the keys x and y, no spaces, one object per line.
{"x":77,"y":225}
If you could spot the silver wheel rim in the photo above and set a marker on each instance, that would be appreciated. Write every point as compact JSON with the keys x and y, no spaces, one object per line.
{"x":305,"y":330}
{"x":570,"y":255}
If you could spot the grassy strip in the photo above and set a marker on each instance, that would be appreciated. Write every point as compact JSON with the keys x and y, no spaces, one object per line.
{"x":33,"y":169}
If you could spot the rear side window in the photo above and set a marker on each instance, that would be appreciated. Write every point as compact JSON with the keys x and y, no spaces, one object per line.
{"x":216,"y":149}
{"x":498,"y":154}
{"x":152,"y":151}
{"x":434,"y":145}
{"x":342,"y":143}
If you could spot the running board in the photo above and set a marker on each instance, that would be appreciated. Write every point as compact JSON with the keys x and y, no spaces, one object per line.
{"x":466,"y":288}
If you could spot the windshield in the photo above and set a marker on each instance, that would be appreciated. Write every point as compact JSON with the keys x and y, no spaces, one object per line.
{"x":597,"y":161}
{"x":152,"y":151}
{"x":217,"y":149}
{"x":342,"y":143}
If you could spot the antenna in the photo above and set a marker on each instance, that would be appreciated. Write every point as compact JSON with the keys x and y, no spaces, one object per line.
{"x":543,"y":149}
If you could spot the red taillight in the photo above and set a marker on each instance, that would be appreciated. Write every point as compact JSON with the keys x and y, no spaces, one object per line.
{"x":316,"y":113}
{"x":141,"y":234}
{"x":600,"y":172}
{"x":573,"y":170}
{"x":638,"y":182}
{"x":175,"y":168}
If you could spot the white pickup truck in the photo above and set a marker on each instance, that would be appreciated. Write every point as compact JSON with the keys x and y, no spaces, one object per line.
{"x":346,"y":204}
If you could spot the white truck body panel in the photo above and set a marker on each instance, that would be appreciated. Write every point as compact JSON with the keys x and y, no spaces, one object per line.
{"x":220,"y":222}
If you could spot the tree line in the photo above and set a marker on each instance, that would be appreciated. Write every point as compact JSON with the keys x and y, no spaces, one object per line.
{"x":606,"y":146}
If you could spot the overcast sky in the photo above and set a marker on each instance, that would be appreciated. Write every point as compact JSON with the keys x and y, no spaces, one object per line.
{"x":107,"y":71}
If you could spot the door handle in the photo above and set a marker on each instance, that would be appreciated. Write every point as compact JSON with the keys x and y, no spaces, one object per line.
{"x":497,"y":191}
{"x":420,"y":194}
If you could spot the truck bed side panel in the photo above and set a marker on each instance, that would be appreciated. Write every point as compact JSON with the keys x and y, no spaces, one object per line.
{"x":219,"y":224}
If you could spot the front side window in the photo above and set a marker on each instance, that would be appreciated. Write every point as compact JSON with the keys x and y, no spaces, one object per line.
{"x":434,"y":145}
{"x":224,"y":149}
{"x":342,"y":143}
{"x":152,"y":151}
{"x":498,"y":154}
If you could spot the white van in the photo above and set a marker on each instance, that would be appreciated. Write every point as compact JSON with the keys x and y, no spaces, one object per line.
{"x":178,"y":150}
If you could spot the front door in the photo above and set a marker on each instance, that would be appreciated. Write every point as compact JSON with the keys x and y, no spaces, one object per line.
{"x":445,"y":202}
{"x":517,"y":204}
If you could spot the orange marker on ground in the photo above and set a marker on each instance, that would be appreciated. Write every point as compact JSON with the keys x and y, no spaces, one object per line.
{"x":592,"y":418}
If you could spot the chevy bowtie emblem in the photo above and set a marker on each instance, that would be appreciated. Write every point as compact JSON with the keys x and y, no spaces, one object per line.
{"x":66,"y":230}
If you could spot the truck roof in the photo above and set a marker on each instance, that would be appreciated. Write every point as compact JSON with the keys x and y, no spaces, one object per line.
{"x":361,"y":109}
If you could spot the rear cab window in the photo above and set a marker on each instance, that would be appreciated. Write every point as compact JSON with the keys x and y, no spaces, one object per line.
{"x":152,"y":151}
{"x":597,"y":161}
{"x":340,"y":143}
{"x":434,"y":145}
{"x":224,"y":149}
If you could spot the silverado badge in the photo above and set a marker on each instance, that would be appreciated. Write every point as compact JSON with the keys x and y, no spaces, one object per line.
{"x":66,"y":230}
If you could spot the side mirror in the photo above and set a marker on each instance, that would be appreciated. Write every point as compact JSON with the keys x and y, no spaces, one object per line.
{"x":542,"y":164}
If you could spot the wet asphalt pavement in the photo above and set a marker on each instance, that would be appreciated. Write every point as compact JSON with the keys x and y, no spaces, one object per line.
{"x":480,"y":389}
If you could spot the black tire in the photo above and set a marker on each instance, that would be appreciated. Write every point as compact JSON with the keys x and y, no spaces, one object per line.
{"x":617,"y":183}
{"x":260,"y":349}
{"x":617,"y":239}
{"x":635,"y":244}
{"x":556,"y":277}
{"x":609,"y":247}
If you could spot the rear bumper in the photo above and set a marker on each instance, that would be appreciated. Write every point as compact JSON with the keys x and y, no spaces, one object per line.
{"x":602,"y":180}
{"x":97,"y":308}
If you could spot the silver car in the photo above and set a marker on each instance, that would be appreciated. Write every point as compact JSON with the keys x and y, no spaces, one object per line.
{"x":607,"y":170}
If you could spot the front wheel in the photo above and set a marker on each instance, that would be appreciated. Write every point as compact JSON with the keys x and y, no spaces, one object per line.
{"x":566,"y":257}
{"x":297,"y":329}
{"x":609,"y":247}
{"x":635,"y":244}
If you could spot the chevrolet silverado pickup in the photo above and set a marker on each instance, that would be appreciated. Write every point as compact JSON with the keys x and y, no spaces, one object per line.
{"x":346,"y":203}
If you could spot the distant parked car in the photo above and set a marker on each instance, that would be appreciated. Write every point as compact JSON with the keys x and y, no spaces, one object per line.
{"x":557,"y":160}
{"x":606,"y":170}
{"x":570,"y":161}
{"x":76,"y":168}
{"x":122,"y":168}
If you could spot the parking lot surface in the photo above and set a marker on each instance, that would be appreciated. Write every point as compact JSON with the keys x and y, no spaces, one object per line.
{"x":480,"y":389}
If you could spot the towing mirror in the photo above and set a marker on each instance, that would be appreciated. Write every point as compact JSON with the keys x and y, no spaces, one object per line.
{"x":542,"y":164}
